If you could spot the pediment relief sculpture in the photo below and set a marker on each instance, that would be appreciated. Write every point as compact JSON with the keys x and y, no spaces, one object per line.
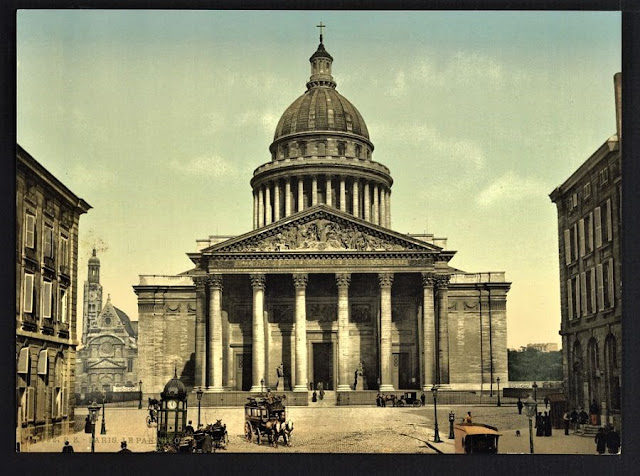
{"x":320,"y":235}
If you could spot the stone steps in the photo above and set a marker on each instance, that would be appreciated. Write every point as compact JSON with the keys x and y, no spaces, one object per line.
{"x":329,"y":399}
{"x":588,"y":431}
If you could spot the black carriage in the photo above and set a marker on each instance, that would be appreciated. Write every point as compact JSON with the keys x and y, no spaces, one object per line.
{"x":409,"y":398}
{"x":267,"y":417}
{"x":218,"y":433}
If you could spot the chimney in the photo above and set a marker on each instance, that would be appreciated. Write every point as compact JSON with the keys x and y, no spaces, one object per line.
{"x":617,"y":82}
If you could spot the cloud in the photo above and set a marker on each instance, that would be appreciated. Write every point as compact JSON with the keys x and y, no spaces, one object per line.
{"x":510,"y":187}
{"x":91,"y":177}
{"x":398,"y":86}
{"x":268,"y":120}
{"x":212,"y":166}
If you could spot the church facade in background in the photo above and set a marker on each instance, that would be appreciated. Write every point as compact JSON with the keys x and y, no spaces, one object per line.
{"x":107,"y":357}
{"x":322,"y":289}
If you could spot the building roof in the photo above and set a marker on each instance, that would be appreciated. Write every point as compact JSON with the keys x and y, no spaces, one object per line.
{"x":126,"y":322}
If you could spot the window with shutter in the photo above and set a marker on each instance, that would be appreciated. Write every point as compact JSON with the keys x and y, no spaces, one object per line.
{"x":63,"y":305}
{"x":64,"y":254}
{"x":583,"y":294}
{"x":30,"y":403}
{"x":41,"y":400}
{"x":23,"y":361}
{"x":567,"y":247}
{"x":607,"y":276}
{"x":592,"y":287}
{"x":570,"y":299}
{"x":576,"y":297}
{"x":30,"y":231}
{"x":46,"y":299}
{"x":600,"y":287}
{"x":574,"y":241}
{"x":581,"y":235}
{"x":598,"y":227}
{"x":609,"y":224}
{"x":28,"y":293}
{"x":48,"y":241}
{"x":589,"y":231}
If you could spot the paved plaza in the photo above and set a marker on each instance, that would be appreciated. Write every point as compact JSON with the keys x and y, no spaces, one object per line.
{"x":334,"y":430}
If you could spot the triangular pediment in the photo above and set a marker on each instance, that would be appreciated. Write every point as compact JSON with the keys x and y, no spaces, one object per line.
{"x":106,"y":364}
{"x":321,"y":229}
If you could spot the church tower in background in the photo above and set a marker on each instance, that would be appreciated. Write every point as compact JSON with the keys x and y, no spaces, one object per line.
{"x":92,"y":296}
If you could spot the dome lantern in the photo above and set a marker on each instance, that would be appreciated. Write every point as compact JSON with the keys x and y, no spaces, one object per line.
{"x":321,"y":62}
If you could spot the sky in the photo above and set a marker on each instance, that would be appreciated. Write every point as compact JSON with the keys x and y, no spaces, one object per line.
{"x":158,"y":119}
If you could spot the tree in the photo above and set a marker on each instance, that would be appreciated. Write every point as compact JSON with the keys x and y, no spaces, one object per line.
{"x":531,"y":364}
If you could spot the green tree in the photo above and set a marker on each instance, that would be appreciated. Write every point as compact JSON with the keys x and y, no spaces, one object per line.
{"x":531,"y":364}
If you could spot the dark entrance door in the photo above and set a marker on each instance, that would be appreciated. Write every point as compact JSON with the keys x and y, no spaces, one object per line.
{"x":243,"y":372}
{"x":323,"y":365}
{"x":401,"y":370}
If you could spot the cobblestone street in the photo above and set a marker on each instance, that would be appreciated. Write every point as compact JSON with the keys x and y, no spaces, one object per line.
{"x":335,"y":430}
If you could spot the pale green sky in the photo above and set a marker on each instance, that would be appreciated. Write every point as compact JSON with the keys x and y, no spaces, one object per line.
{"x":158,"y":118}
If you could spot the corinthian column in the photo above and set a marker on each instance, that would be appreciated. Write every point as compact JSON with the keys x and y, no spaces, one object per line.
{"x":314,"y":190}
{"x":388,"y":207}
{"x":257,"y":347}
{"x":287,"y":197}
{"x":260,"y":207}
{"x":300,"y":193}
{"x":429,"y":331}
{"x":255,"y":210}
{"x":276,"y":201}
{"x":443,"y":327}
{"x":386,"y":280}
{"x":376,"y":208}
{"x":267,"y":204}
{"x":215,"y":333}
{"x":300,"y":283}
{"x":343,"y":195}
{"x":328,"y":191}
{"x":200,"y":377}
{"x":356,"y":204}
{"x":344,"y":375}
{"x":367,"y":201}
{"x":383,"y":207}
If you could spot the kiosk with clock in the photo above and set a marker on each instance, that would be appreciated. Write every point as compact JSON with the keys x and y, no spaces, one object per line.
{"x":172,"y":417}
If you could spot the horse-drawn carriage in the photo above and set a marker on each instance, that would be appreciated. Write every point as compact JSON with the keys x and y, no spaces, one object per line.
{"x":409,"y":398}
{"x":152,"y":416}
{"x":267,"y":416}
{"x":217,"y":432}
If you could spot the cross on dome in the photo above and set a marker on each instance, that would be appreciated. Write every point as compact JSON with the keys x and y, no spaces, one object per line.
{"x":321,"y":26}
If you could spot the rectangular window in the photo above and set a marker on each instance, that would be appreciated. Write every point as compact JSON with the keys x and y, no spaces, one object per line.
{"x":576,"y":296}
{"x":590,"y":287}
{"x":574,"y":200}
{"x":587,"y":190}
{"x":607,"y":283}
{"x":46,"y":299}
{"x":567,"y":246}
{"x":64,"y":254}
{"x":581,"y":236}
{"x":30,"y":231}
{"x":48,"y":241}
{"x":588,"y":232}
{"x":598,"y":226}
{"x":28,"y":293}
{"x":583,"y":293}
{"x":130,"y":365}
{"x":569,"y":300}
{"x":600,"y":287}
{"x":574,"y":242}
{"x":608,"y":220}
{"x":604,"y":176}
{"x":63,"y":305}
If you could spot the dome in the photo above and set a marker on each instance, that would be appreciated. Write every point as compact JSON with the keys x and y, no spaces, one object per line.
{"x":321,"y":109}
{"x":94,"y":259}
{"x":175,"y":388}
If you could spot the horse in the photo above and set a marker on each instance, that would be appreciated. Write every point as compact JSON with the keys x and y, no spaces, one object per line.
{"x":390,"y":398}
{"x":278,"y":428}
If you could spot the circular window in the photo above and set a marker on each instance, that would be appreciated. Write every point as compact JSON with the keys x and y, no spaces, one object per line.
{"x":107,"y":321}
{"x":106,"y":349}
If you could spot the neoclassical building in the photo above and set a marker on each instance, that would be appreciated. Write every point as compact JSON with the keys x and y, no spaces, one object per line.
{"x":322,"y":284}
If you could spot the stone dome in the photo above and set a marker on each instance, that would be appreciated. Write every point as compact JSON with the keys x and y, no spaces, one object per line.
{"x":175,"y":388}
{"x":321,"y":109}
{"x":94,"y":259}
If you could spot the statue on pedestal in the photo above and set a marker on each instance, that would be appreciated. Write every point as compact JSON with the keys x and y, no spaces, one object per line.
{"x":280,"y":375}
{"x":359,"y":383}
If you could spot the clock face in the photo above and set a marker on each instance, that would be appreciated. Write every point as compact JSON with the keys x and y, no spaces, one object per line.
{"x":172,"y":404}
{"x":93,"y":295}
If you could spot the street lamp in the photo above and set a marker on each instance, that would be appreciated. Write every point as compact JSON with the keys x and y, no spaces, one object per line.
{"x":530,"y":405}
{"x":94,"y":408}
{"x":140,"y":395}
{"x":535,"y":394}
{"x":452,"y":418}
{"x":498,"y":380}
{"x":436,"y":436}
{"x":103,"y":429}
{"x":199,"y":393}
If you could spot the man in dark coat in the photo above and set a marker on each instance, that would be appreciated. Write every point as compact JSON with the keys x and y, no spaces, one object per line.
{"x":600,"y":440}
{"x":547,"y":424}
{"x":67,"y":448}
{"x":613,"y":441}
{"x":546,"y":401}
{"x":565,"y":421}
{"x":520,"y":405}
{"x":584,"y":418}
{"x":207,"y":443}
{"x":593,"y":412}
{"x":422,"y":398}
{"x":539,"y":425}
{"x":124,"y":448}
{"x":574,"y":419}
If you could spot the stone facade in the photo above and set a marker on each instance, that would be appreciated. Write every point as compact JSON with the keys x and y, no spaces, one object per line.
{"x":589,"y":237}
{"x":107,"y":359}
{"x":47,"y":223}
{"x":322,"y":284}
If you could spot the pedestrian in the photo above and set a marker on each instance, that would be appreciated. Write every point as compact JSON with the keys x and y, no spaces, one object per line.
{"x":422,"y":398}
{"x":314,"y":396}
{"x":189,"y":429}
{"x":123,"y":448}
{"x":468,"y":419}
{"x":383,"y":400}
{"x":613,"y":441}
{"x":600,"y":441}
{"x":520,"y":405}
{"x":565,"y":420}
{"x":67,"y":448}
{"x":207,"y":443}
{"x":321,"y":390}
{"x":574,"y":419}
{"x":583,"y":418}
{"x":547,"y":424}
{"x":378,"y":400}
{"x":593,"y":412}
{"x":539,"y":425}
{"x":546,"y":401}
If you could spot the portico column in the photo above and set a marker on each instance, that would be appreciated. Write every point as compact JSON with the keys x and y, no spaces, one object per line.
{"x":356,"y":211}
{"x":314,"y":190}
{"x":429,"y":331}
{"x":367,"y":201}
{"x":287,"y":197}
{"x":383,"y":207}
{"x":255,"y":210}
{"x":345,"y":377}
{"x":328,"y":190}
{"x":201,"y":328}
{"x":267,"y":204}
{"x":215,"y":333}
{"x":343,"y":195}
{"x":257,"y":337}
{"x":300,"y":283}
{"x":276,"y":201}
{"x":386,"y":280}
{"x":375,"y":206}
{"x":443,"y":327}
{"x":388,"y":207}
{"x":300,"y":193}
{"x":260,"y":207}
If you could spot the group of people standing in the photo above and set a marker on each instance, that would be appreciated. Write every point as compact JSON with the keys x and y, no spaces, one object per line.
{"x":607,"y":437}
{"x":543,"y":424}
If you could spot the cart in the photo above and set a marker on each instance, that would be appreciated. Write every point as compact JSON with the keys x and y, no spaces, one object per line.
{"x":267,"y":417}
{"x":409,"y":398}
